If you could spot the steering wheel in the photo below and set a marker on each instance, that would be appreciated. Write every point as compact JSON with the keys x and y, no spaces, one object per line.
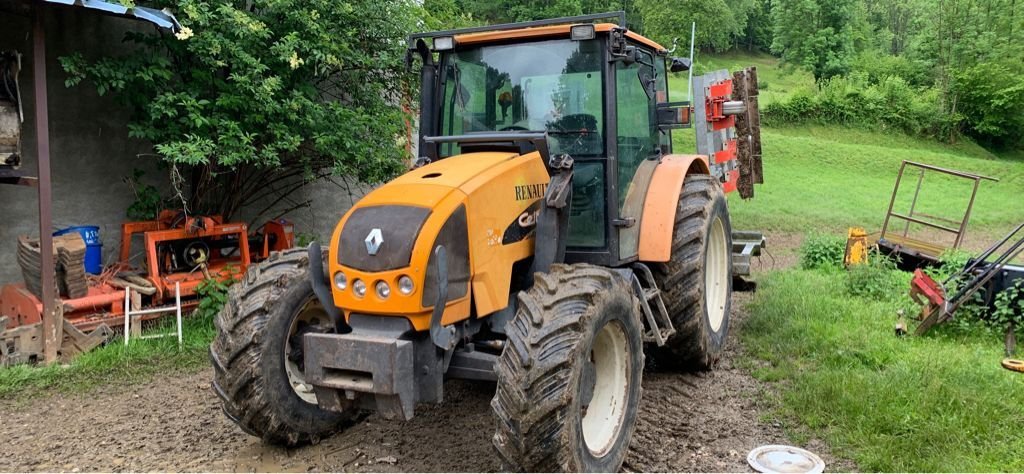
{"x":511,"y":128}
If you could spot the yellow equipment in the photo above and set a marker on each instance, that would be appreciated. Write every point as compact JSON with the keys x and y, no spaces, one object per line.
{"x":857,"y":246}
{"x":546,"y":236}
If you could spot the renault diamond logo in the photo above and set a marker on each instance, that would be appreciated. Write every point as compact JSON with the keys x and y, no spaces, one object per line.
{"x":374,"y":241}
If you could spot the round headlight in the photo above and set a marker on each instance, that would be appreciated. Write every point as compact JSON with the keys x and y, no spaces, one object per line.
{"x":405,"y":285}
{"x":383,"y":290}
{"x":340,"y":281}
{"x":359,"y":288}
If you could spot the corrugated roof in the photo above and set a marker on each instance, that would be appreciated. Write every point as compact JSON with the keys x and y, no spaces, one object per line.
{"x":162,"y":18}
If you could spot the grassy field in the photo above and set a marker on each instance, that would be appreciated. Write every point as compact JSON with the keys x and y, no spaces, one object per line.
{"x":831,"y":178}
{"x":116,"y":363}
{"x":934,"y":403}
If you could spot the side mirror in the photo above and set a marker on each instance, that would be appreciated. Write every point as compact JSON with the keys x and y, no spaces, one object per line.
{"x":680,"y":64}
{"x":673,"y":115}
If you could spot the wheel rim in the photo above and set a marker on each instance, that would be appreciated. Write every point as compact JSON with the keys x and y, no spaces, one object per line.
{"x":605,"y":388}
{"x":716,"y":275}
{"x":310,"y":317}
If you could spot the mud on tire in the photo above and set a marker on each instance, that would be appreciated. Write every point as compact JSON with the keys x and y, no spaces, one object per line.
{"x":248,"y":354}
{"x":576,"y":333}
{"x":700,"y":332}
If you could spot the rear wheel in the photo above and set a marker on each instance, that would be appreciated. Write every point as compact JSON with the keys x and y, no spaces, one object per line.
{"x":696,"y":282}
{"x":258,"y":357}
{"x":569,"y":378}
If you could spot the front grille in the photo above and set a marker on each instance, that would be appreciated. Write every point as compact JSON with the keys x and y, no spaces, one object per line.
{"x":399,"y":226}
{"x":455,"y":238}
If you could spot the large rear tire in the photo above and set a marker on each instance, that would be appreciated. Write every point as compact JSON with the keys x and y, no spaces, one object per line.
{"x":696,"y":283}
{"x":569,"y":377}
{"x":257,"y":353}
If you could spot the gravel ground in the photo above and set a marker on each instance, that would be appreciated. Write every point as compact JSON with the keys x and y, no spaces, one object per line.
{"x":695,"y":422}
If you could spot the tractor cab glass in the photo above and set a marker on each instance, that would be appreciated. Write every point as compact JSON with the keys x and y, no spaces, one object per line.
{"x":552,"y":86}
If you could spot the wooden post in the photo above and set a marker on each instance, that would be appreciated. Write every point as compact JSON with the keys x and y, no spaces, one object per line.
{"x":52,"y":327}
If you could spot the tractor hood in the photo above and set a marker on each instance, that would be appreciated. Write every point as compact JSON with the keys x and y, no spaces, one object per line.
{"x":428,"y":185}
{"x":470,"y":204}
{"x":380,"y":231}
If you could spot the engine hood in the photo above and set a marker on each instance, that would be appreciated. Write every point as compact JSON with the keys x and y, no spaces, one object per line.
{"x":429,"y":185}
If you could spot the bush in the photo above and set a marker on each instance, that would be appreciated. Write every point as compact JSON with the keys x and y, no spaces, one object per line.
{"x":991,"y":98}
{"x":878,"y":279}
{"x":891,"y":103}
{"x":822,"y":251}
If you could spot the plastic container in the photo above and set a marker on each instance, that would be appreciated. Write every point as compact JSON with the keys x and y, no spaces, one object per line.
{"x":93,"y":246}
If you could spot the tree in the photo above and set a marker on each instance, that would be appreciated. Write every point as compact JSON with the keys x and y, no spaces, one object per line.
{"x":253,"y":99}
{"x":814,"y":34}
{"x":665,"y":20}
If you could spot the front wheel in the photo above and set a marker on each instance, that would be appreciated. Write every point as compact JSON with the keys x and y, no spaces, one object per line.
{"x":569,"y":378}
{"x":258,"y":353}
{"x":696,"y":282}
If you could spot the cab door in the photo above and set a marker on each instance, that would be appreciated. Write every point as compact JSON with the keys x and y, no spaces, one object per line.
{"x":638,"y":142}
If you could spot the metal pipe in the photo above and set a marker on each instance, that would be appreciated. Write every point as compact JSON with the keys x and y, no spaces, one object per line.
{"x":913,"y":202}
{"x":967,"y":215}
{"x":892,"y":200}
{"x":924,"y":223}
{"x":51,"y":327}
{"x":689,"y":80}
{"x":177,"y":302}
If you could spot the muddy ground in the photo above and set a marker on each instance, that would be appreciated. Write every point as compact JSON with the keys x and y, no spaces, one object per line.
{"x":703,"y":422}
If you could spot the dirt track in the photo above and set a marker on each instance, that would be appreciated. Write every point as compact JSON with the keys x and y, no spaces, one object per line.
{"x":688,"y":422}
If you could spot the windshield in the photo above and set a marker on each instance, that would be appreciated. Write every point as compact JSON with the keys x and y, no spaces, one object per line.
{"x":552,"y":86}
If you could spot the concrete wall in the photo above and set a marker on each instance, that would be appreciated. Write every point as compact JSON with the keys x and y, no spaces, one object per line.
{"x":90,"y":149}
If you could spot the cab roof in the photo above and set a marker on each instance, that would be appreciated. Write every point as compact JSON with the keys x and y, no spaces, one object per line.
{"x":552,"y":31}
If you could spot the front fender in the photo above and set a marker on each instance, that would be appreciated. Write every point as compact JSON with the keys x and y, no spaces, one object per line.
{"x":660,"y":204}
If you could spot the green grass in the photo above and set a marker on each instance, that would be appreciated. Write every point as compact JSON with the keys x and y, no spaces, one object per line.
{"x":115,"y":363}
{"x":937,"y":403}
{"x":831,"y":178}
{"x":776,"y":82}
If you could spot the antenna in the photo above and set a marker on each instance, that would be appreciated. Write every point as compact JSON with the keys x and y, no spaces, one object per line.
{"x":689,"y":81}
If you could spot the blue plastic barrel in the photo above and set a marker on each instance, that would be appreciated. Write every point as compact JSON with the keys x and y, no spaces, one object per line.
{"x":93,"y":246}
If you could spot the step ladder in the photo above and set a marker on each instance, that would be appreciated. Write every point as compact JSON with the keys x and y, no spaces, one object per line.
{"x":657,"y":323}
{"x":129,"y":315}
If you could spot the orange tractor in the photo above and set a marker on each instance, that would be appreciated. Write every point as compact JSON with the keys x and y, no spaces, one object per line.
{"x":548,"y":239}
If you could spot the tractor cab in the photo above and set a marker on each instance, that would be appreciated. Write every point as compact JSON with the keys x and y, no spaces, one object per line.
{"x":594,"y":90}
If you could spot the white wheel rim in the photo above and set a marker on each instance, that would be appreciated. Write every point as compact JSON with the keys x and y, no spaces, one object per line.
{"x":602,"y":418}
{"x":311,"y":313}
{"x":716,"y":275}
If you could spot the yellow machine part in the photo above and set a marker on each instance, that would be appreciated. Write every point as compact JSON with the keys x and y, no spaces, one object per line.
{"x":497,"y":188}
{"x":857,"y":246}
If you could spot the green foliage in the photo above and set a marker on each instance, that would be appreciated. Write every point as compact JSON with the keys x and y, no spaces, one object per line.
{"x":991,"y":98}
{"x":148,"y":201}
{"x":303,"y":239}
{"x":664,"y":20}
{"x":878,"y":279}
{"x":914,"y":404}
{"x":213,"y":295}
{"x":891,"y":104}
{"x":814,"y":34}
{"x":822,"y":251}
{"x":297,"y":87}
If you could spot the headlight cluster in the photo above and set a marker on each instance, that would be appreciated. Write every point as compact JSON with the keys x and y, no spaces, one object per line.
{"x":406,"y":286}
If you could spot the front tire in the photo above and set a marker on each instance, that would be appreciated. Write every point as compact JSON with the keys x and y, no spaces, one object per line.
{"x":569,"y":377}
{"x":257,"y":353}
{"x":696,"y":282}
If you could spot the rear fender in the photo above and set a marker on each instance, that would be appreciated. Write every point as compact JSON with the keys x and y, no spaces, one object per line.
{"x":659,"y":213}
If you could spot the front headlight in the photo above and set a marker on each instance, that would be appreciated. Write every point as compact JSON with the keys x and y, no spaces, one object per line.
{"x":383,"y":289}
{"x":405,"y":285}
{"x":359,"y":288}
{"x":340,"y":281}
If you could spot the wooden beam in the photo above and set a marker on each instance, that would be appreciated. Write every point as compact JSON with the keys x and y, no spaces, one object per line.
{"x":52,"y":327}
